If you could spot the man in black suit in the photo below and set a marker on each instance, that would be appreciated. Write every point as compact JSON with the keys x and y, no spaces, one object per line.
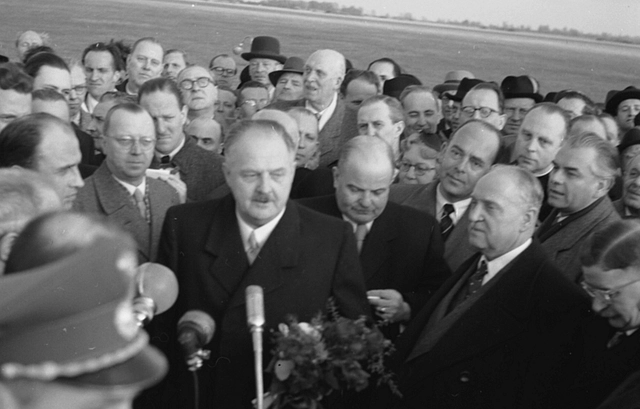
{"x":400,"y":247}
{"x":253,"y":237}
{"x":323,"y":75}
{"x":499,"y":332}
{"x":183,"y":161}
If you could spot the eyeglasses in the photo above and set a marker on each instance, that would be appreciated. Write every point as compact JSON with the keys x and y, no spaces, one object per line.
{"x":225,"y":72}
{"x":79,"y":89}
{"x":127,"y":142}
{"x":419,"y":170}
{"x":202,"y":82}
{"x":605,"y":296}
{"x":254,"y":103}
{"x":485,"y":112}
{"x":511,"y":111}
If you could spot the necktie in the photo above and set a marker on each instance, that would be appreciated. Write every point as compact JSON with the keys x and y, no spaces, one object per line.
{"x":361,"y":233}
{"x":165,"y":162}
{"x":138,"y":197}
{"x":616,"y":339}
{"x":446,"y":224}
{"x":475,"y":281}
{"x":254,"y":248}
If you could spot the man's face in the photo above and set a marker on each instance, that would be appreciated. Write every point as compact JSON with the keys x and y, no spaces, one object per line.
{"x":357,"y":91}
{"x":362,"y":187}
{"x":96,"y":125}
{"x":197,"y":98}
{"x":129,"y":145}
{"x":628,"y":154}
{"x":57,"y":157}
{"x":322,"y":78}
{"x":384,"y":71}
{"x":497,"y":216}
{"x":308,"y":145}
{"x":623,"y":310}
{"x":168,"y":118}
{"x":144,"y":63}
{"x":27,"y":41}
{"x":482,"y":98}
{"x":13,"y":105}
{"x":225,"y":105}
{"x":289,"y":87}
{"x":172,"y":65}
{"x":627,"y":111}
{"x":421,"y":112}
{"x":375,"y":120}
{"x":414,"y":169}
{"x":573,"y":184}
{"x":572,"y":106}
{"x":254,"y":99}
{"x":100,"y":73}
{"x":466,"y":158}
{"x":78,"y":90}
{"x":59,"y":108}
{"x":259,"y":69}
{"x":515,"y":109}
{"x":259,"y":170}
{"x":54,"y":78}
{"x":223,"y":70}
{"x":539,"y":140}
{"x":631,"y":184}
{"x":206,"y":133}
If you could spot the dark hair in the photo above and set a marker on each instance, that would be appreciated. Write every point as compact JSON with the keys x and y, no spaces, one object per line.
{"x":35,"y":63}
{"x":118,"y":96}
{"x":19,"y":140}
{"x":146,"y":40}
{"x":48,"y":94}
{"x":125,"y":106}
{"x":589,"y":107}
{"x":111,"y":48}
{"x":491,"y":86}
{"x":366,"y":76}
{"x":35,"y":50}
{"x":161,"y":85}
{"x":397,"y":70}
{"x":615,"y":246}
{"x":13,"y":77}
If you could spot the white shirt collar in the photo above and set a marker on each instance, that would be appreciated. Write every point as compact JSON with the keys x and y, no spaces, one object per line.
{"x":459,"y":207}
{"x":131,"y":188}
{"x":173,"y":152}
{"x":90,"y":103}
{"x":544,"y":172}
{"x":324,"y":114}
{"x":262,"y":233}
{"x":494,"y":266}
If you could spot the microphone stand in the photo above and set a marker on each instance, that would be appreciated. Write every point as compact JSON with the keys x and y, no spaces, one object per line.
{"x":256,"y":334}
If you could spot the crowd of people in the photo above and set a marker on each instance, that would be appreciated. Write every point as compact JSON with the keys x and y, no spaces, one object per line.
{"x":491,"y":229}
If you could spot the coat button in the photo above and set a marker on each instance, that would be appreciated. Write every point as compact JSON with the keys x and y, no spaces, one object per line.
{"x":465,"y":376}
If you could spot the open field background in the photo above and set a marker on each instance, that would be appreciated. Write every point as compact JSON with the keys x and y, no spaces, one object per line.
{"x":427,"y":51}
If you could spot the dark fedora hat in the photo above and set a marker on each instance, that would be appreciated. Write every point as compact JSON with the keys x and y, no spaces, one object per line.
{"x":265,"y":47}
{"x":465,"y":85}
{"x":630,"y":92}
{"x":523,"y":86}
{"x":630,"y":138}
{"x":395,"y":86}
{"x":293,"y":64}
{"x":452,"y":80}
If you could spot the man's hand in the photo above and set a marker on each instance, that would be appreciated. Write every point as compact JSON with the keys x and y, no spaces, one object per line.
{"x":177,"y":184}
{"x":389,"y":305}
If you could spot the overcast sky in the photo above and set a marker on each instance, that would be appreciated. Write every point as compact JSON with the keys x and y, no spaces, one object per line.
{"x":620,"y":17}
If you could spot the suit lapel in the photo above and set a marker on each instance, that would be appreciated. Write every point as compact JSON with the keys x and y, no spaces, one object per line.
{"x":117,"y":205}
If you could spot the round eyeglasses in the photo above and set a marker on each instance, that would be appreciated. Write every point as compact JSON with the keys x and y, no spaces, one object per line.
{"x":485,"y":112}
{"x":202,"y":82}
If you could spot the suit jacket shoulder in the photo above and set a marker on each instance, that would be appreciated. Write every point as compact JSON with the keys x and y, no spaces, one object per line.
{"x":200,"y":170}
{"x":421,"y":197}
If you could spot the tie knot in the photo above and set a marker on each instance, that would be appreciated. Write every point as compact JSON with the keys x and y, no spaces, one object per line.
{"x":138,"y":195}
{"x":361,"y":232}
{"x":165,"y":160}
{"x":482,"y":267}
{"x":447,"y":209}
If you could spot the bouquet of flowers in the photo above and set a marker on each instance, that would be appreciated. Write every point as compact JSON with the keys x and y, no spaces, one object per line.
{"x":311,"y":360}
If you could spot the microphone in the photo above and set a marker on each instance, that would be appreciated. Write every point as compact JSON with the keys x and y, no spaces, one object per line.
{"x":156,"y":291}
{"x":255,"y":319}
{"x":195,"y":330}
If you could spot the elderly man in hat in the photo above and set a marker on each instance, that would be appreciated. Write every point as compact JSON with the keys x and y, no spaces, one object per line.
{"x":520,"y":95}
{"x":264,"y":58}
{"x":624,"y":106}
{"x":70,"y":339}
{"x":288,"y":80}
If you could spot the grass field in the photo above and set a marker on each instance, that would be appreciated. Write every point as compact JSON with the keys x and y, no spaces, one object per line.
{"x":428,"y":51}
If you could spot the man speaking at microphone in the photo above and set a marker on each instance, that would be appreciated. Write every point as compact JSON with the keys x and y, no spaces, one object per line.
{"x":254,"y":236}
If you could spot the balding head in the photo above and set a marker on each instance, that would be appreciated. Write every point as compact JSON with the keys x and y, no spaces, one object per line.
{"x":362,"y":178}
{"x":322,"y":77}
{"x":207,"y":133}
